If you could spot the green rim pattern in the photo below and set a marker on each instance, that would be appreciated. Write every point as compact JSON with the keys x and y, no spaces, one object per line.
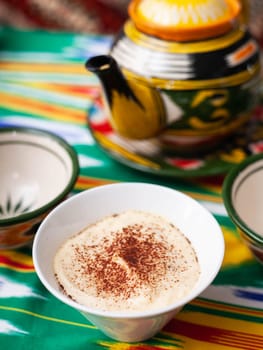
{"x":75,"y":166}
{"x":227,"y":197}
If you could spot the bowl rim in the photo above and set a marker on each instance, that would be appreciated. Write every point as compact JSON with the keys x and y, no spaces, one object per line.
{"x":73,"y":177}
{"x":227,"y":198}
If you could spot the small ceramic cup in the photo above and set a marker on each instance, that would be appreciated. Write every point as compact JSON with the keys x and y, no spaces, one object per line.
{"x":38,"y":170}
{"x":243,"y":199}
{"x":89,"y":206}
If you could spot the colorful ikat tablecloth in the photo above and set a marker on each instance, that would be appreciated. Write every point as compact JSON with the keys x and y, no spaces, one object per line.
{"x":43,"y":84}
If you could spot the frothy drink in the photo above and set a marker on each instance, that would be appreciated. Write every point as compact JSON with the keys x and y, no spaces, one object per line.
{"x":131,"y":261}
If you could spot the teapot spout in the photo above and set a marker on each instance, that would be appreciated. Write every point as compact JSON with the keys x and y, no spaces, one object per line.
{"x":130,"y":116}
{"x":110,"y":76}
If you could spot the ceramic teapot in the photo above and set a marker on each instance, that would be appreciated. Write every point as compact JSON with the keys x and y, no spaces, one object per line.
{"x":183,"y":72}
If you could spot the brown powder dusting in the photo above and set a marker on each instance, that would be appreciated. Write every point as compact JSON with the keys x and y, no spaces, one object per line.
{"x":129,"y":261}
{"x":132,"y":259}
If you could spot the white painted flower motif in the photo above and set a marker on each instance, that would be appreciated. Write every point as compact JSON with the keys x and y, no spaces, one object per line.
{"x":7,"y":327}
{"x":11,"y":289}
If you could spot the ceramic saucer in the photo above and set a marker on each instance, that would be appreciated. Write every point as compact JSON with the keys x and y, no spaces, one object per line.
{"x":147,"y":156}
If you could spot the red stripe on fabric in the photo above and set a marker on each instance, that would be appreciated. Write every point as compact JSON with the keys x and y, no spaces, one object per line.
{"x":5,"y":261}
{"x":215,"y":335}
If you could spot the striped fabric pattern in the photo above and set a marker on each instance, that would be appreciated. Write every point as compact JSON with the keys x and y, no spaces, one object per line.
{"x":43,"y":84}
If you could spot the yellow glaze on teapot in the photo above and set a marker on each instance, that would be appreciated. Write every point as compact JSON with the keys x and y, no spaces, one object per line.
{"x":184,"y":73}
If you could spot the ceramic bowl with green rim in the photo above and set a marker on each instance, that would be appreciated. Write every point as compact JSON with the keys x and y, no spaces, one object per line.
{"x":243,"y":199}
{"x":38,"y":170}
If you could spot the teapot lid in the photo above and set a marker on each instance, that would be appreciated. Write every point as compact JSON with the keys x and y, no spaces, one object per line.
{"x":184,"y":20}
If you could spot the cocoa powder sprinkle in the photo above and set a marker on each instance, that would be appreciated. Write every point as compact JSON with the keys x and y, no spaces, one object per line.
{"x":129,"y":261}
{"x":121,"y":267}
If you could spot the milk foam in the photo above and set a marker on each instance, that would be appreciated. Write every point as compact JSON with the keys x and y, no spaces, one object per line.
{"x":132,"y":261}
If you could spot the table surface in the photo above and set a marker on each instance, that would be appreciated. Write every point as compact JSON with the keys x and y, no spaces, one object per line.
{"x":43,"y":84}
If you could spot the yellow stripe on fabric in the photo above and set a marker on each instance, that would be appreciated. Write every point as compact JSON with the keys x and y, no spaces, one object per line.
{"x":65,"y":68}
{"x":236,"y":252}
{"x":225,"y":323}
{"x":141,"y":346}
{"x":16,"y":261}
{"x":116,"y":346}
{"x":35,"y":107}
{"x":85,"y":182}
{"x":204,"y":197}
{"x":18,"y":257}
{"x":47,"y":318}
{"x":171,"y":343}
{"x":213,"y":305}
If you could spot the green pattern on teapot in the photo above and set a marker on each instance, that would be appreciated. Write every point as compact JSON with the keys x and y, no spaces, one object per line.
{"x":210,"y":110}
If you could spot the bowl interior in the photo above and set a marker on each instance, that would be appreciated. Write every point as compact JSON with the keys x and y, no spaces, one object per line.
{"x":36,"y":168}
{"x":89,"y":206}
{"x":244,"y":196}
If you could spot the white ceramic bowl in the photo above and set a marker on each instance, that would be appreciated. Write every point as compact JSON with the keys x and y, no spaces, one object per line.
{"x":38,"y":170}
{"x":243,"y":199}
{"x":91,"y":205}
